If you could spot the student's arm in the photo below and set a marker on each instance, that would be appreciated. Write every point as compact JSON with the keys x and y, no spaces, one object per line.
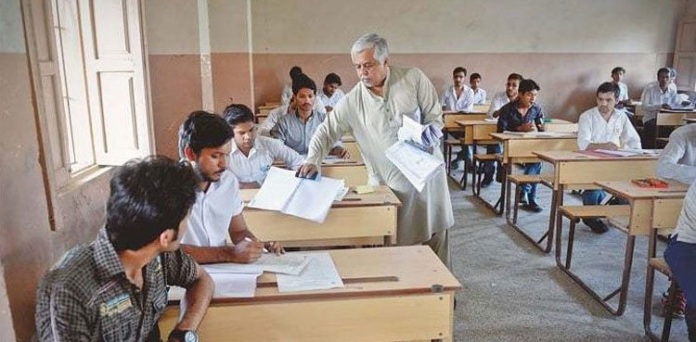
{"x":246,"y":245}
{"x":646,"y":101}
{"x":279,"y":131}
{"x":668,"y":166}
{"x":584,"y":132}
{"x":502,"y":121}
{"x":61,"y":314}
{"x":539,"y":121}
{"x":290,"y":157}
{"x":629,"y":135}
{"x":469,"y":100}
{"x":183,"y":271}
{"x":330,"y":130}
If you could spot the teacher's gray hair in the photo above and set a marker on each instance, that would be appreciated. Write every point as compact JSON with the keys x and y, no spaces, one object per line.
{"x":369,"y":41}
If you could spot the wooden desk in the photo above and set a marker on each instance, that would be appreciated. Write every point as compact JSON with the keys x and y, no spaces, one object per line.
{"x":651,"y":210}
{"x":574,"y":170}
{"x":353,"y":172}
{"x":450,"y":119}
{"x":352,"y":147}
{"x":482,"y":108}
{"x":369,"y":220}
{"x":261,"y":117}
{"x":390,"y":294}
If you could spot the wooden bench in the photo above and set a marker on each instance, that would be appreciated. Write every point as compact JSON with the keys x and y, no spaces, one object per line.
{"x":519,"y":180}
{"x":478,"y":161}
{"x":660,"y":265}
{"x":449,"y":144}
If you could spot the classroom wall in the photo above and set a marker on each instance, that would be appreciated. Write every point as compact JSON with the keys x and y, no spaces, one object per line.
{"x":28,"y":247}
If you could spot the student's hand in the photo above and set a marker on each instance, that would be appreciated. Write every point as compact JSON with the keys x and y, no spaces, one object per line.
{"x":526,"y":127}
{"x":685,"y":103}
{"x":666,"y":106}
{"x":307,"y":170}
{"x":275,"y":247}
{"x":340,"y":152}
{"x":247,"y":251}
{"x":328,"y":108}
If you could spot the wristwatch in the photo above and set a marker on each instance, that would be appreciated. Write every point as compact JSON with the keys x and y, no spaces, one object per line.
{"x":184,"y":335}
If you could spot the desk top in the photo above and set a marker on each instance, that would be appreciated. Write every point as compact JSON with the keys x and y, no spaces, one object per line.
{"x":534,"y":135}
{"x":569,"y":156}
{"x":463,"y":113}
{"x":677,"y":111}
{"x":690,"y":120}
{"x":627,"y":189}
{"x":383,"y":195}
{"x":369,"y":272}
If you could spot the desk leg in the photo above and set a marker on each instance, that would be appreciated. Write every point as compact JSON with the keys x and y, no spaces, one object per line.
{"x":556,"y":202}
{"x":649,"y":288}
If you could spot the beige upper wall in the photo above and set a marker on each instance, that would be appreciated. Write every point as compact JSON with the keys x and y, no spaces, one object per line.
{"x":465,"y":26}
{"x":228,"y":25}
{"x":11,"y":30}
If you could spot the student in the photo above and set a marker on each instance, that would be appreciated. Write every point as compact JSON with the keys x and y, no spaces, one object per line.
{"x":252,"y":155}
{"x":274,"y":115}
{"x":330,"y":94}
{"x":479,"y":93}
{"x":655,"y":97}
{"x":604,"y":127}
{"x":217,"y":212}
{"x":504,"y":97}
{"x":286,"y":95}
{"x":458,"y":97}
{"x":678,"y":159}
{"x":96,"y":291}
{"x":296,"y":130}
{"x":499,"y":100}
{"x":523,"y":115}
{"x":369,"y":111}
{"x":680,"y":255}
{"x":617,"y":75}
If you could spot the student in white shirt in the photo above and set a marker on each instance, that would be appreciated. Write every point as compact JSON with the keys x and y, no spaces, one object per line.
{"x":604,"y":127}
{"x":655,"y":97}
{"x":680,"y":255}
{"x":458,"y":98}
{"x":330,"y":93}
{"x":617,"y":75}
{"x":504,"y":97}
{"x":251,"y":156}
{"x":286,"y":95}
{"x":479,"y":93}
{"x":217,"y":213}
{"x":678,"y":159}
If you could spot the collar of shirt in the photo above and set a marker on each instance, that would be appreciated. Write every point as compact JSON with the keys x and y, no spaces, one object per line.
{"x":309,"y":119}
{"x":106,"y":260}
{"x":252,"y":151}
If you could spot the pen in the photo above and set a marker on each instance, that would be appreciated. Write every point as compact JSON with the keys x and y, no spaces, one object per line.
{"x":246,"y":238}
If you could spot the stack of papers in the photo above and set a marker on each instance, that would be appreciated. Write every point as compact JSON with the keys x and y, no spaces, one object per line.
{"x":304,"y":198}
{"x":320,"y":274}
{"x":424,"y":135}
{"x":289,"y":263}
{"x":627,"y":152}
{"x":416,"y":165}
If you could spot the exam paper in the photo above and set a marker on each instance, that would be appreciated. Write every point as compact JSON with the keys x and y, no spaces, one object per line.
{"x":320,"y":274}
{"x":288,"y":263}
{"x":282,"y":185}
{"x":234,"y":285}
{"x":425,"y":135}
{"x":416,"y":165}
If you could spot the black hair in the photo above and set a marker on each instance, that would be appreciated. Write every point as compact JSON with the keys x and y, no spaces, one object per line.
{"x":458,"y":70}
{"x":332,"y":78}
{"x":664,"y":70}
{"x":515,"y":76}
{"x":474,"y":76}
{"x":237,"y":113}
{"x":202,"y":130}
{"x":295,"y":71}
{"x":148,"y":197}
{"x":303,"y":81}
{"x":609,"y":87}
{"x":528,"y":85}
{"x":617,"y":70}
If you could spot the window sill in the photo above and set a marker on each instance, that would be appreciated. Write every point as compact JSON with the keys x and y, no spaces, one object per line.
{"x":83,"y":178}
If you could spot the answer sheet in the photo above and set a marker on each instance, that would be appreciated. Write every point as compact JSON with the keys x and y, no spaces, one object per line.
{"x":288,"y":263}
{"x":320,"y":274}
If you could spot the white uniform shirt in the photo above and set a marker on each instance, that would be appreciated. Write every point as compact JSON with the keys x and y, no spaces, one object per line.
{"x":286,"y":95}
{"x":623,"y":91}
{"x":499,"y":100}
{"x":686,"y":226}
{"x":465,"y":102}
{"x":330,"y":101}
{"x":653,"y":98}
{"x":265,"y":151}
{"x":479,"y":96}
{"x":210,"y":216}
{"x":678,"y":159}
{"x":593,"y":129}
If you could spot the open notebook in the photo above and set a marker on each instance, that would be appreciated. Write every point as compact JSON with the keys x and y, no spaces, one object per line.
{"x":304,"y":198}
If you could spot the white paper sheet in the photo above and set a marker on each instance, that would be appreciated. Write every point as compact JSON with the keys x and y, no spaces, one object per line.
{"x":320,"y":274}
{"x":619,"y":153}
{"x":425,"y":135}
{"x":289,"y":263}
{"x":234,"y":285}
{"x":281,"y":186}
{"x":416,"y":165}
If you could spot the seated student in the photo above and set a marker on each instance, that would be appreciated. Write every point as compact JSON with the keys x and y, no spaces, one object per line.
{"x":458,"y":98}
{"x":96,"y":291}
{"x":499,"y":100}
{"x":275,"y":114}
{"x":678,"y":159}
{"x":504,"y":97}
{"x":479,"y":93}
{"x":286,"y":95}
{"x":330,"y":94}
{"x":680,"y":255}
{"x":252,"y":155}
{"x":523,"y":115}
{"x":217,"y":212}
{"x":617,"y":74}
{"x":296,"y":130}
{"x":604,"y":127}
{"x":655,"y":97}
